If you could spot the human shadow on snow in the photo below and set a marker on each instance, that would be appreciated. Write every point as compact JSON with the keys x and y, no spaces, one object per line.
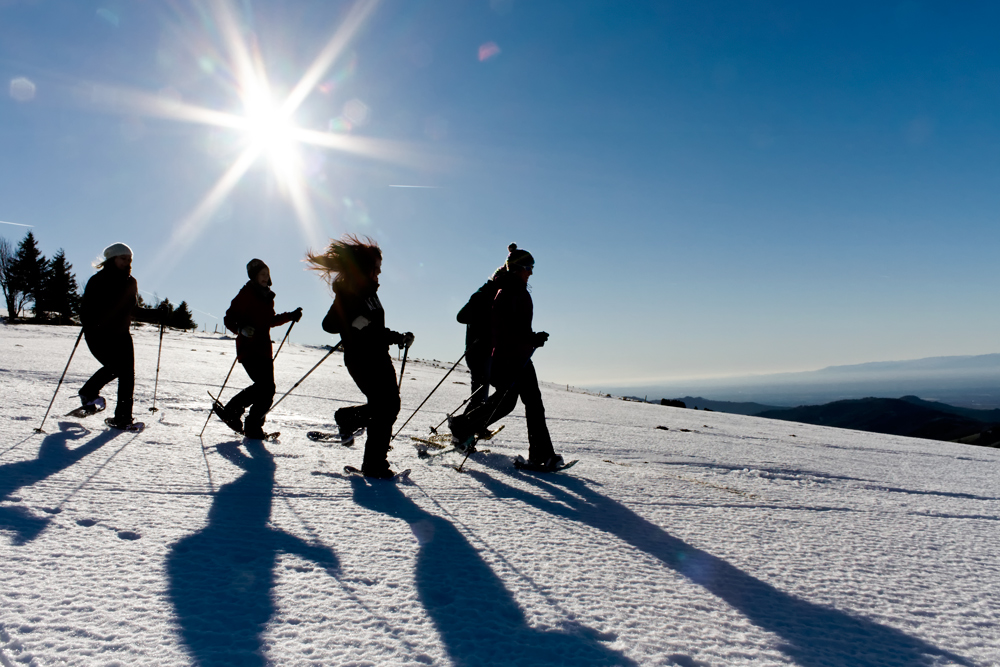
{"x":54,"y":455}
{"x":220,"y":579}
{"x":477,"y":618}
{"x":813,"y":635}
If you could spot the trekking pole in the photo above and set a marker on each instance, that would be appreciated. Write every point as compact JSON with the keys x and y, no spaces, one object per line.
{"x":221,"y":389}
{"x":39,"y":429}
{"x":284,"y":339}
{"x":156,"y":383}
{"x":332,"y":350}
{"x":434,"y":429}
{"x":406,"y":350}
{"x":428,"y":396}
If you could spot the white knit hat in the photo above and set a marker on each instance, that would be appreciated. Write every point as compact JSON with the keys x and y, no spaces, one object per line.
{"x":116,"y":250}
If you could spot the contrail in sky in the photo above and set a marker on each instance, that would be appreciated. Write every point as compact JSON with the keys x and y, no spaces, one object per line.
{"x":423,"y":187}
{"x":3,"y":222}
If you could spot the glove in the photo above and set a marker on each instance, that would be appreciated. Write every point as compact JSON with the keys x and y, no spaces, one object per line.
{"x":247,"y":332}
{"x":360,"y":322}
{"x":407,"y":340}
{"x":296,"y":314}
{"x":540,"y":338}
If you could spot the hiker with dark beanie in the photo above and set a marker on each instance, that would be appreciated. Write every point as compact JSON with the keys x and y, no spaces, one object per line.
{"x":511,"y":372}
{"x":251,"y":317}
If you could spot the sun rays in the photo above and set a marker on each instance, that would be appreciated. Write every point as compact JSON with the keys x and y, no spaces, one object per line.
{"x":266,"y":128}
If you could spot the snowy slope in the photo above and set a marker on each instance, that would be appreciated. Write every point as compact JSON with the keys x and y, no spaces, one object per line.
{"x":725,"y":540}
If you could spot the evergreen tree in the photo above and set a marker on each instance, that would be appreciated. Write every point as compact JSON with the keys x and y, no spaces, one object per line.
{"x":60,"y":290}
{"x":181,"y":318}
{"x":10,"y":292}
{"x":27,"y":274}
{"x":165,"y":312}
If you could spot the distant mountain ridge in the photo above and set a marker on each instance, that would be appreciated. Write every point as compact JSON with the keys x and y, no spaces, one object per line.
{"x":970,"y":381}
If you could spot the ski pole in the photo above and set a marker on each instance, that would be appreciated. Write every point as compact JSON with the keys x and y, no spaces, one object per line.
{"x":284,"y":339}
{"x":332,"y":350}
{"x":434,"y":429}
{"x":406,"y":350}
{"x":221,"y":389}
{"x":156,"y":383}
{"x":39,"y":429}
{"x":428,"y":396}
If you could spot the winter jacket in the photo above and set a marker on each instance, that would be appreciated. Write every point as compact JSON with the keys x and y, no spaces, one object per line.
{"x":254,"y":307}
{"x":359,"y":318}
{"x":513,"y":339}
{"x":477,"y":315}
{"x":108,"y":301}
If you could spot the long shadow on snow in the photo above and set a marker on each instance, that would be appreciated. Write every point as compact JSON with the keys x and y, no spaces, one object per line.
{"x":477,"y":617}
{"x":54,"y":456}
{"x":221,"y":578}
{"x":814,"y":635}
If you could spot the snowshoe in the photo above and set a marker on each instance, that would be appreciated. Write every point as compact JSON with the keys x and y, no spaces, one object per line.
{"x":131,"y":427}
{"x":345,"y":438}
{"x":390,"y":475}
{"x":89,"y":407}
{"x":555,"y":464}
{"x":269,"y":437}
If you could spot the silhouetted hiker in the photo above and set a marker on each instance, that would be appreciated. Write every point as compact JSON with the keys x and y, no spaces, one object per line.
{"x":351,"y":266}
{"x":477,"y":316}
{"x":251,"y":316}
{"x":511,"y":372}
{"x":106,"y":314}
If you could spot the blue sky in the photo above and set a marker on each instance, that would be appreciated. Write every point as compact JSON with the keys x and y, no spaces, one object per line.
{"x":709,"y":188}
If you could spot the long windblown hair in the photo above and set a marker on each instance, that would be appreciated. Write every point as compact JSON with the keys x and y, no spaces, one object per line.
{"x":347,"y":263}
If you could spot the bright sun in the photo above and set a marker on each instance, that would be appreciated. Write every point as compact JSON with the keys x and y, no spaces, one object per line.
{"x":271,"y":134}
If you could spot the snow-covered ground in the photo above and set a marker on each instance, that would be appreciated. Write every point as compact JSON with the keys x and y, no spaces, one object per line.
{"x":724,"y":540}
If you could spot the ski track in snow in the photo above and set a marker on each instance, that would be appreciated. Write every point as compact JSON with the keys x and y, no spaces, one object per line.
{"x":739,"y":541}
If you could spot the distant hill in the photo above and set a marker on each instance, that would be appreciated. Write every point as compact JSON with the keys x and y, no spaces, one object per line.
{"x":732,"y":407}
{"x":909,"y":416}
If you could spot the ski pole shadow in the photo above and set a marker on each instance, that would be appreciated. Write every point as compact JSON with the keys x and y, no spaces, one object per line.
{"x":54,"y":455}
{"x":477,"y":618}
{"x":813,"y":635}
{"x":220,"y":579}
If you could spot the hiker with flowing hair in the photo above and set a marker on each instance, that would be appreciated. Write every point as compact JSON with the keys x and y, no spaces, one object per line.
{"x":351,"y":266}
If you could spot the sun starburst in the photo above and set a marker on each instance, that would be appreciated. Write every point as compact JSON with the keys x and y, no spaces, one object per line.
{"x":266,"y":125}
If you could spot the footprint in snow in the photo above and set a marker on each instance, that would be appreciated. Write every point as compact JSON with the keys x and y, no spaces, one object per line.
{"x":86,"y":523}
{"x":128,"y":535}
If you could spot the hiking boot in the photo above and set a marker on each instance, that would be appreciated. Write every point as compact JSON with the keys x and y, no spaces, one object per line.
{"x":254,"y":433}
{"x":378,"y":472}
{"x":229,"y":417}
{"x":95,"y":404}
{"x":119,"y":423}
{"x":554,"y":463}
{"x":461,"y":438}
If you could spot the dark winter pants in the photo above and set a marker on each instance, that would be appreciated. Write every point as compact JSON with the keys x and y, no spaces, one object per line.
{"x":523,"y":384}
{"x":376,"y":378}
{"x":259,"y":396}
{"x":478,"y":362}
{"x":117,"y":359}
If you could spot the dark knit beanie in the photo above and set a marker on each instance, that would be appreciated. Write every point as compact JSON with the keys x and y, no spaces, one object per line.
{"x":254,"y":267}
{"x":519,"y":258}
